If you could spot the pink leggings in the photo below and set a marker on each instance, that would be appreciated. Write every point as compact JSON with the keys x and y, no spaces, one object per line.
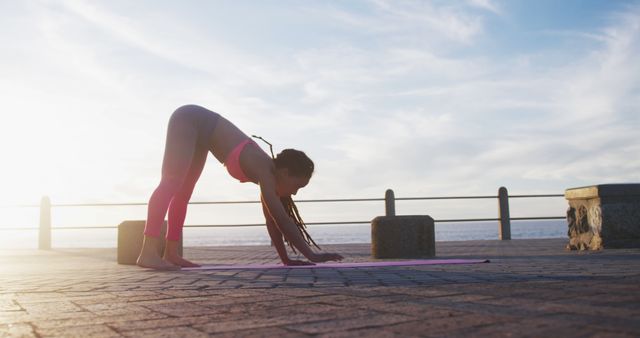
{"x":186,"y":149}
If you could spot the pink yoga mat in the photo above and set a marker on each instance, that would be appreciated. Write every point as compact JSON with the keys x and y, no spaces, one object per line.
{"x":341,"y":265}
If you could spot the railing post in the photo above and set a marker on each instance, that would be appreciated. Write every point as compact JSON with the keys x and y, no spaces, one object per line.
{"x":389,"y":203}
{"x":504,"y":221}
{"x":44,"y":238}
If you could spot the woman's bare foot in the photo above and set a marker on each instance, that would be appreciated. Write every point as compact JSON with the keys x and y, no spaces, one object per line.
{"x":156,"y":262}
{"x":179,"y":261}
{"x":172,"y":256}
{"x":150,"y":258}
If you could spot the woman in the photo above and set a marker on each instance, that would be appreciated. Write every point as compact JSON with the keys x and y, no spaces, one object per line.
{"x":194,"y":131}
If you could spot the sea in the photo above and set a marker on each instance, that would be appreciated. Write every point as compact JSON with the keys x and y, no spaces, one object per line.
{"x":257,"y":235}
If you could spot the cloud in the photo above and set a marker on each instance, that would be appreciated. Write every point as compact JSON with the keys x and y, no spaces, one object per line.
{"x":181,"y":42}
{"x":418,"y":22}
{"x":487,"y":5}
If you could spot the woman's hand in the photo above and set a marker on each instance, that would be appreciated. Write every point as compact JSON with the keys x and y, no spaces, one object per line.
{"x":326,"y":256}
{"x":295,"y":262}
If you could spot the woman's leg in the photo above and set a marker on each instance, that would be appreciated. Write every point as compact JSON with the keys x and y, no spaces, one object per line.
{"x":178,"y":209}
{"x":179,"y":150}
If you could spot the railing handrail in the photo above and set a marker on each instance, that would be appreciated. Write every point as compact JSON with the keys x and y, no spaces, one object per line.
{"x":451,"y":220}
{"x":331,"y":200}
{"x":504,"y":219}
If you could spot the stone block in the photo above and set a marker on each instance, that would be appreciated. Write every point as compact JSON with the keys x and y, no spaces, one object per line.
{"x":603,"y":216}
{"x":402,"y":237}
{"x":130,"y":237}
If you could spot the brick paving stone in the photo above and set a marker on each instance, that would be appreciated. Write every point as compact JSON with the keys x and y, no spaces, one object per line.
{"x":104,"y":298}
{"x":288,"y":304}
{"x":260,"y":333}
{"x":448,"y":324}
{"x":630,"y":324}
{"x":180,"y":332}
{"x":359,"y":303}
{"x":609,"y":334}
{"x":39,"y":297}
{"x":418,"y":310}
{"x":14,"y":317}
{"x":179,"y":309}
{"x":260,"y":322}
{"x":42,"y":317}
{"x":533,"y":327}
{"x":79,"y":331}
{"x":9,"y":305}
{"x":373,"y":333}
{"x":365,"y":322}
{"x":58,"y":307}
{"x":17,"y":330}
{"x":116,"y":309}
{"x":427,"y":292}
{"x":166,"y":322}
{"x":224,"y":301}
{"x":52,"y":322}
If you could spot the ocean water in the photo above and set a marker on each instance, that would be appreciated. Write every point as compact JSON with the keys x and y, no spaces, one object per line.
{"x":322,"y":234}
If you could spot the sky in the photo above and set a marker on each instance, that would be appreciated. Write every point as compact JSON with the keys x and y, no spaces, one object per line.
{"x":429,"y":98}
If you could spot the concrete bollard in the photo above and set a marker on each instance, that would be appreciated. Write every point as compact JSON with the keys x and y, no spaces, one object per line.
{"x":130,"y":237}
{"x":403,"y":237}
{"x":604,"y":216}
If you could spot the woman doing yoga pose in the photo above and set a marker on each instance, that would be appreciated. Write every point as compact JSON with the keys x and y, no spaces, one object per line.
{"x":194,"y":131}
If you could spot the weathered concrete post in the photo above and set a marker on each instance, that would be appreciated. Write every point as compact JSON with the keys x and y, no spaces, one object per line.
{"x":130,"y":237}
{"x":504,"y":217}
{"x":44,"y":236}
{"x":403,"y":236}
{"x":603,"y":216}
{"x":389,"y":203}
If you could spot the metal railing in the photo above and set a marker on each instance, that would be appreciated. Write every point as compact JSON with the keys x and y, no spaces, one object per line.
{"x":504,"y":219}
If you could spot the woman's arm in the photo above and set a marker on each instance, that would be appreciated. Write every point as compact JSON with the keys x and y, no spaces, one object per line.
{"x":276,"y":235}
{"x":287,"y":227}
{"x":284,"y":224}
{"x":276,"y":239}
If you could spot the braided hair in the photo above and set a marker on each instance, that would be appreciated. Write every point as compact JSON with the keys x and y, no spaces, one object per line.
{"x":297,"y":164}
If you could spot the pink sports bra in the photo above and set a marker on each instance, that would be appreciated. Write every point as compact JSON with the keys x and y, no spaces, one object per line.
{"x":232,"y":162}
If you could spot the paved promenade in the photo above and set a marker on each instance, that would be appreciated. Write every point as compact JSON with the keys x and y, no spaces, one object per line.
{"x":531,"y":288}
